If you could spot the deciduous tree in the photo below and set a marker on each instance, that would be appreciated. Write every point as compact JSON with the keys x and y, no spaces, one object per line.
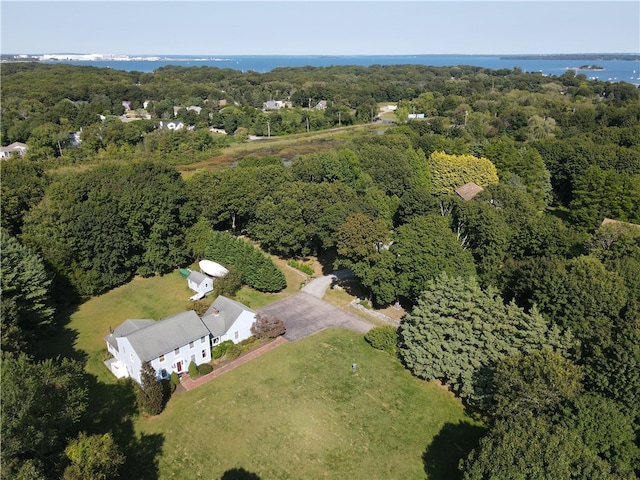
{"x":424,"y":248}
{"x":452,"y":171}
{"x":42,"y":402}
{"x":93,"y":456}
{"x":534,"y":448}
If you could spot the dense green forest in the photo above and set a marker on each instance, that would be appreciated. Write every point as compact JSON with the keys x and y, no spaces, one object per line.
{"x":522,"y":299}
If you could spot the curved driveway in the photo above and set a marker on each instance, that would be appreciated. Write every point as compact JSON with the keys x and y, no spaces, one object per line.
{"x":318,"y":286}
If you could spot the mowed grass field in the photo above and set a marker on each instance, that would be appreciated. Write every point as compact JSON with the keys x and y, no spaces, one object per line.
{"x":296,"y":412}
{"x":300,"y":412}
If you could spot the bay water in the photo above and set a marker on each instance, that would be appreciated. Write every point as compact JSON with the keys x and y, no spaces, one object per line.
{"x":612,"y":70}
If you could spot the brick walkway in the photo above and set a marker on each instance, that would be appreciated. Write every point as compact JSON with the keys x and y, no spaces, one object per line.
{"x":189,"y":384}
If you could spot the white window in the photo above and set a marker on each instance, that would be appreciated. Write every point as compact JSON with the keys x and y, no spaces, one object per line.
{"x":237,"y":335}
{"x":177,"y":351}
{"x":202,"y":340}
{"x":161,"y":358}
{"x":190,"y":344}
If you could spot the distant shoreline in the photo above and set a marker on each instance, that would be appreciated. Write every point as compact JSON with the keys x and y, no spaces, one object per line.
{"x":82,"y":57}
{"x":576,"y":56}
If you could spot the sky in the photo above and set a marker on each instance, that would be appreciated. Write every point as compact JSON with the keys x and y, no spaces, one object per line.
{"x":320,"y":27}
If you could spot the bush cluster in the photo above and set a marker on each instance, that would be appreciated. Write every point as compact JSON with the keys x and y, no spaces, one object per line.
{"x":193,"y":370}
{"x":220,"y":350}
{"x":303,"y":267}
{"x":384,"y":338}
{"x":267,"y":326}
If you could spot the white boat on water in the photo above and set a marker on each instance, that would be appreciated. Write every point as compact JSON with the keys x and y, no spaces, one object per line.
{"x":212,"y":269}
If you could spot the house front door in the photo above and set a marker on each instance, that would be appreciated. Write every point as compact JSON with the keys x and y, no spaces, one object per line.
{"x":179,"y":367}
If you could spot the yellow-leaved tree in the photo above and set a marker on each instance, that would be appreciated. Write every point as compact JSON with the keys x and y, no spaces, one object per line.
{"x":452,"y":171}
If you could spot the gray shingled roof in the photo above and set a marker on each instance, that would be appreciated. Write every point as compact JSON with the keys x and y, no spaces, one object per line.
{"x":228,"y":311}
{"x":167,"y":334}
{"x":125,"y":328}
{"x":197,"y":277}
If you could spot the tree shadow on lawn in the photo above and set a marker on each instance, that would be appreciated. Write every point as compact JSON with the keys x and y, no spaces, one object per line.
{"x":111,"y":409}
{"x":60,"y":340}
{"x":239,"y":474}
{"x":453,"y":443}
{"x":142,"y":453}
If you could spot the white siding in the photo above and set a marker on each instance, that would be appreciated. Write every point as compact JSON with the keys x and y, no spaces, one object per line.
{"x":171,"y":359}
{"x":242,"y":326}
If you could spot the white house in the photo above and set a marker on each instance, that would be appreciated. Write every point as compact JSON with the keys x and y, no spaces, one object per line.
{"x":14,"y":148}
{"x":227,"y":319}
{"x":169,"y":344}
{"x":276,"y":104}
{"x":172,"y":343}
{"x":171,"y":125}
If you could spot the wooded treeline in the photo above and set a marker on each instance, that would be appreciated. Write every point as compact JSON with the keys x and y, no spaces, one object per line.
{"x":531,"y":305}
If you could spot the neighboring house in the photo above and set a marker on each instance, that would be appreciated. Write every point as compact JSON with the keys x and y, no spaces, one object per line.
{"x":127,"y":104}
{"x":172,"y":343}
{"x":169,"y":345}
{"x":276,"y":104}
{"x":15,"y":147}
{"x":200,"y":283}
{"x":74,"y":138}
{"x":171,"y":125}
{"x":227,"y":319}
{"x":321,"y":105}
{"x":195,"y":109}
{"x":469,"y":190}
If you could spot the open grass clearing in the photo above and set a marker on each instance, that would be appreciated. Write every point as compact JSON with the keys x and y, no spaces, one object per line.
{"x":285,"y":147}
{"x":299,"y":411}
{"x":295,"y":412}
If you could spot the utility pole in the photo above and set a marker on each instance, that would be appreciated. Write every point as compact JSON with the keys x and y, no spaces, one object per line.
{"x":268,"y":129}
{"x":307,"y":124}
{"x":339,"y":119}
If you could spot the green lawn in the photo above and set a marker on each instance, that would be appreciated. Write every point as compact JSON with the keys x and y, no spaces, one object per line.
{"x":296,"y":412}
{"x":299,"y":412}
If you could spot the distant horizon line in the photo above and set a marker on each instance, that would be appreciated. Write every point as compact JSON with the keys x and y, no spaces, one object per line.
{"x":317,"y":54}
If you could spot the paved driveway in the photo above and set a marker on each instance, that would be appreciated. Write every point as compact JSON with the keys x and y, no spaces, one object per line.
{"x":304,"y":314}
{"x":318,"y":286}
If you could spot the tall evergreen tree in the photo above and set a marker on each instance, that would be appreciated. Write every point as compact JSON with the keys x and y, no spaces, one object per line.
{"x":27,"y":309}
{"x":458,"y":332}
{"x":150,"y":393}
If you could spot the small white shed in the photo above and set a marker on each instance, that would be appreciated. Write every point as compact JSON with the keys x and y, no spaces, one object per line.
{"x":200,"y":283}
